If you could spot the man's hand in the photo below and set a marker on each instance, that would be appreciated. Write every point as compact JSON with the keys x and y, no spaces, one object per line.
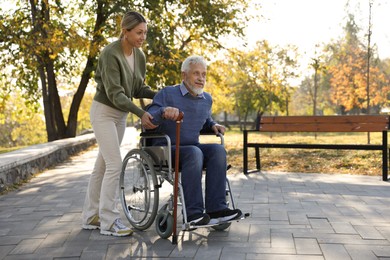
{"x":217,"y":128}
{"x":171,"y":113}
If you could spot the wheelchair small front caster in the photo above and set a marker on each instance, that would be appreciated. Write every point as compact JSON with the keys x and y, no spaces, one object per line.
{"x":164,"y":224}
{"x":222,"y":226}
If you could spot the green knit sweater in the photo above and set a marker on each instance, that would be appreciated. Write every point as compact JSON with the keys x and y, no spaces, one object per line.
{"x":117,"y":85}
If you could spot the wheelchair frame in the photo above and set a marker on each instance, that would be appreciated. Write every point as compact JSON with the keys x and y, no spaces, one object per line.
{"x":144,"y":170}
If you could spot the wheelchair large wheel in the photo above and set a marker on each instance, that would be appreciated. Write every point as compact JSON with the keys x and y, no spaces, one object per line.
{"x":139,"y":189}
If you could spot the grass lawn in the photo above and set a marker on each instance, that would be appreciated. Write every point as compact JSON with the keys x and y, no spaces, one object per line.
{"x":306,"y":160}
{"x":6,"y":150}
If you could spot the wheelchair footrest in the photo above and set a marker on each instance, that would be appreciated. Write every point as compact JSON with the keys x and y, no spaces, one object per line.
{"x":191,"y":227}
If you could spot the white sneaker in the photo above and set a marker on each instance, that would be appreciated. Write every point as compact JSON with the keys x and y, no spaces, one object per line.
{"x":93,"y":224}
{"x":117,"y":229}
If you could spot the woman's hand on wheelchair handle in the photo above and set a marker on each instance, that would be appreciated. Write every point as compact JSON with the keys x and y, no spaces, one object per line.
{"x":146,"y":121}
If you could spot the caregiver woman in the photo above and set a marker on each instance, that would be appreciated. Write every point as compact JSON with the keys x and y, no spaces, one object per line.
{"x":120,"y":76}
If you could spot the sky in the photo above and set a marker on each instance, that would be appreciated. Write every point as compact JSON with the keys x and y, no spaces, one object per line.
{"x":307,"y":23}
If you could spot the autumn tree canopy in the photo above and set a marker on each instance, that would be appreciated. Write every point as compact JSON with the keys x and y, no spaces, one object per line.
{"x":48,"y":46}
{"x":348,"y":70}
{"x":256,"y":81}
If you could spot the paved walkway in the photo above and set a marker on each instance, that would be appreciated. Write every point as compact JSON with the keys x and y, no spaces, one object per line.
{"x":293,"y":216}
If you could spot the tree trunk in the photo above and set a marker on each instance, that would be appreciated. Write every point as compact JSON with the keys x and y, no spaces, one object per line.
{"x":78,"y":97}
{"x":315,"y":91}
{"x":225,"y":119}
{"x":55,"y":125}
{"x":55,"y":102}
{"x":46,"y":104}
{"x":90,"y":66}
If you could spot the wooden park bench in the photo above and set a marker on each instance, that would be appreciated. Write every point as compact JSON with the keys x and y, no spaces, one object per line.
{"x":315,"y":124}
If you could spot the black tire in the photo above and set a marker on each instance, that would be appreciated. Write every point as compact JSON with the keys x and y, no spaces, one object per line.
{"x":164,"y":228}
{"x":221,"y":227}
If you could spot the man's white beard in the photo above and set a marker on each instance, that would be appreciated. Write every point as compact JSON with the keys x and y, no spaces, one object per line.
{"x":196,"y":90}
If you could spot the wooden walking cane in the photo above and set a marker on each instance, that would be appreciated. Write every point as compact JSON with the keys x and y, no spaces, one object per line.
{"x":176,"y":184}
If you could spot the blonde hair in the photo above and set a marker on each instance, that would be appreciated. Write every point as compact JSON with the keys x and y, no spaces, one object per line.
{"x":130,"y":20}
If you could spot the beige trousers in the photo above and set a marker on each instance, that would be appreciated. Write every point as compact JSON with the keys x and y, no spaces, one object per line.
{"x":102,"y":196}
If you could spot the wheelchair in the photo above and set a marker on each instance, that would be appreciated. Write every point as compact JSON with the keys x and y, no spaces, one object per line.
{"x":144,"y":171}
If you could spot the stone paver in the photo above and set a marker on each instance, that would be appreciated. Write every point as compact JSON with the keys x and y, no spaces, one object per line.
{"x":293,"y":216}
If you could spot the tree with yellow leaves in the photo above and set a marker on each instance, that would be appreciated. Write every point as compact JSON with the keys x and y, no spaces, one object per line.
{"x":254,"y":82}
{"x":348,"y":70}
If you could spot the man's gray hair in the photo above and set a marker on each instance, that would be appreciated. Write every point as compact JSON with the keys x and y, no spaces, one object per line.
{"x":185,"y":67}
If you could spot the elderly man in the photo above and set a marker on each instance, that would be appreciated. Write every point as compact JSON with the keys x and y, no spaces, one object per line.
{"x":189,"y":98}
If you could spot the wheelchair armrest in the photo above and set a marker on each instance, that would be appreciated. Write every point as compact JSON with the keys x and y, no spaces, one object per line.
{"x":147,"y":136}
{"x":211,"y":132}
{"x":206,"y":133}
{"x":151,"y":134}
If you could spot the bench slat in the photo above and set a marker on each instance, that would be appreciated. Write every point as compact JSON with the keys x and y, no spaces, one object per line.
{"x":368,"y":123}
{"x":323,"y":127}
{"x":326,"y":119}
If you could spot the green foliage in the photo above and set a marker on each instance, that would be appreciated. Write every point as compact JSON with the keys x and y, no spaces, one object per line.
{"x":83,"y":123}
{"x":181,"y":28}
{"x":254,"y":82}
{"x":27,"y":44}
{"x":305,"y":96}
{"x":47,"y":47}
{"x":20,"y":123}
